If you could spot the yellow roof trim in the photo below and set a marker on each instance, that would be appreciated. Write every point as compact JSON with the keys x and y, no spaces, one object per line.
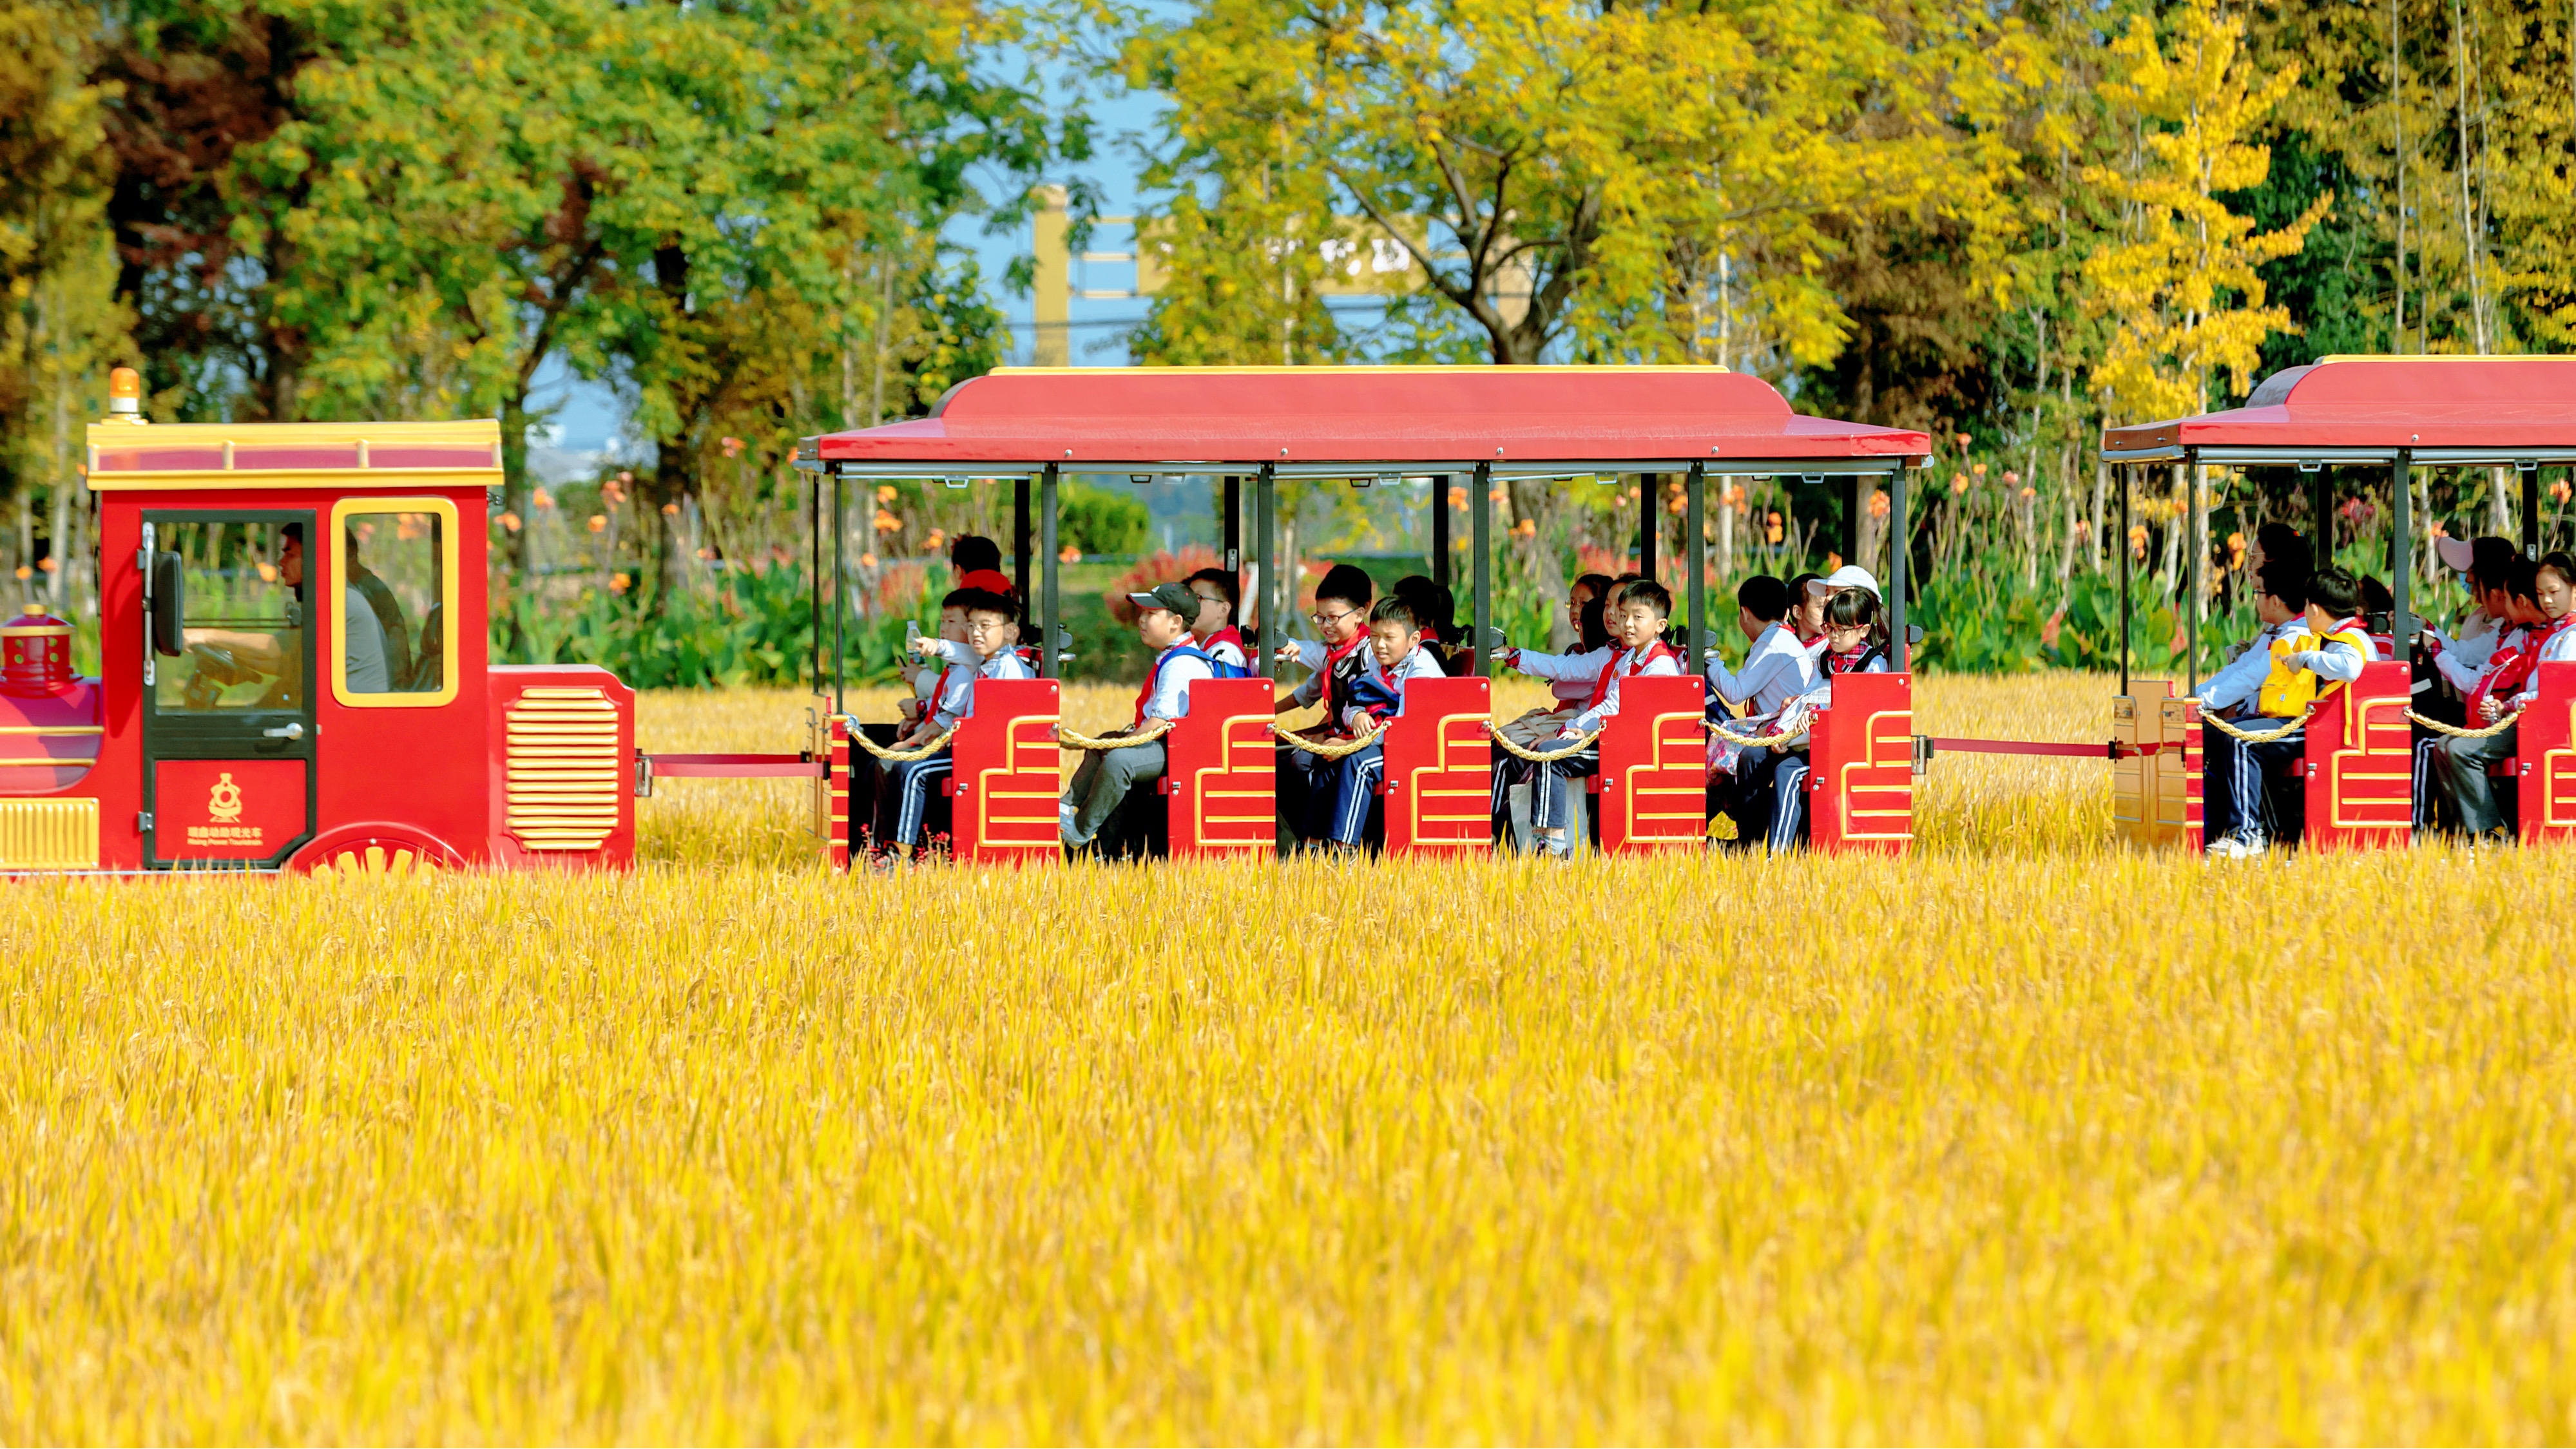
{"x":334,"y":480}
{"x":116,"y":437}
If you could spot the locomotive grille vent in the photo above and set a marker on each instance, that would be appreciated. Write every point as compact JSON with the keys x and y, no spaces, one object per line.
{"x":564,"y":777}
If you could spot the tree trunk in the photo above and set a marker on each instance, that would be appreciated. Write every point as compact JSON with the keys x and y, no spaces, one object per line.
{"x":514,"y":477}
{"x":672,"y":460}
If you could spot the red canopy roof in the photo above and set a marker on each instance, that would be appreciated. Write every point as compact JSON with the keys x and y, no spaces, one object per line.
{"x":2447,"y":409}
{"x":1178,"y":418}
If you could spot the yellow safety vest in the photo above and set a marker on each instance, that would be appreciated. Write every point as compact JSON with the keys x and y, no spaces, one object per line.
{"x":2288,"y":692}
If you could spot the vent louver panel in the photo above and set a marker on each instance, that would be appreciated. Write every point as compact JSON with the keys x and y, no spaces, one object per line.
{"x":565,"y":780}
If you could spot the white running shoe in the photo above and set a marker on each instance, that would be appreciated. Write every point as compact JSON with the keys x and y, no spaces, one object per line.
{"x":2243,"y":845}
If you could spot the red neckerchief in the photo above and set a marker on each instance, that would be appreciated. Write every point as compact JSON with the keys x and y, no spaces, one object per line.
{"x":1849,"y":659}
{"x":1226,"y":635}
{"x":2505,"y":673}
{"x":1153,"y":674}
{"x":1334,"y":654}
{"x":939,"y":691}
{"x":1624,"y":665}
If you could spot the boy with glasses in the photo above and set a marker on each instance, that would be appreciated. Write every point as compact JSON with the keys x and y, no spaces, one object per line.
{"x":990,"y":626}
{"x":1094,"y":812}
{"x":1213,"y":625}
{"x":1337,"y":660}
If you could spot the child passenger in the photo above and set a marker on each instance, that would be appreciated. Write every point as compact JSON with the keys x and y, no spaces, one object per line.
{"x":2241,"y":818}
{"x":986,"y":653}
{"x":1587,"y":607}
{"x":2504,"y":685}
{"x":1395,"y":646}
{"x":1337,"y":662}
{"x":1853,"y":643}
{"x":1097,"y":809}
{"x":1777,"y":669}
{"x":1637,"y":632}
{"x":1213,"y":627}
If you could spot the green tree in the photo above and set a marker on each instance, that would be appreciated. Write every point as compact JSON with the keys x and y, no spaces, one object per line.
{"x":2182,"y":283}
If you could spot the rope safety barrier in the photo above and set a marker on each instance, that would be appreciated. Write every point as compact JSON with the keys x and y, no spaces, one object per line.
{"x":1154,"y":730}
{"x":924,"y":751}
{"x":2288,"y":727}
{"x":2457,"y":733}
{"x":1573,"y":747}
{"x":1327,"y":749}
{"x":1761,"y":741}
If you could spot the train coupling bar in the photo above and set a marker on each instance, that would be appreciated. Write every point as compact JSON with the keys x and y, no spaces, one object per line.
{"x":1926,"y":746}
{"x":800,"y":766}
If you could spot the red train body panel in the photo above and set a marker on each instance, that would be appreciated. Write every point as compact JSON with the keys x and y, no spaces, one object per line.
{"x":1005,"y":784}
{"x":1439,"y":769}
{"x":1653,"y":784}
{"x":2545,"y":757}
{"x":1860,"y":754}
{"x":2360,"y":762}
{"x":1221,"y":782}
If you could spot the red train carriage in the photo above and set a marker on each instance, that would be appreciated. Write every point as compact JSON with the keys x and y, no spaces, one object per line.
{"x":2351,"y":418}
{"x":1476,"y":426}
{"x":294,"y":670}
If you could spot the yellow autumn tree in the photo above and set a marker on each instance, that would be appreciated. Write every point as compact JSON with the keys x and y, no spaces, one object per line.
{"x":2182,"y":287}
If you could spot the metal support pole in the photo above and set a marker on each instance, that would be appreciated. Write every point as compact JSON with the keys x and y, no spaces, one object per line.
{"x":814,"y":579}
{"x":1440,"y":529}
{"x":2401,"y":622}
{"x":1854,"y":488}
{"x":1234,"y":536}
{"x":1047,"y":572}
{"x":2192,"y":522}
{"x":2531,"y":512}
{"x":2321,"y":518}
{"x":1694,"y":562}
{"x":1020,"y":539}
{"x":1265,"y":532}
{"x":1899,"y":547}
{"x":1649,"y":488}
{"x":2128,"y":480}
{"x":1480,"y":537}
{"x":840,"y":600}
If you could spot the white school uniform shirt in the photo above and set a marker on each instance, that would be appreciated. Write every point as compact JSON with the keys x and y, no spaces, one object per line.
{"x":2462,"y":660}
{"x":2558,"y":648}
{"x":1657,"y":662}
{"x":1566,"y":669}
{"x":1777,"y":669}
{"x":1171,"y":696}
{"x":1005,"y":665}
{"x":1417,"y":665}
{"x":2241,"y":681}
{"x":1223,"y":651}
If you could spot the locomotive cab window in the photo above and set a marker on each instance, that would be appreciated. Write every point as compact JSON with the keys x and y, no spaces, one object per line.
{"x":393,"y":602}
{"x":241,"y":617}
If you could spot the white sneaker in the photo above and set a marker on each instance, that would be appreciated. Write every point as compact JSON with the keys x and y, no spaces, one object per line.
{"x":2243,"y":845}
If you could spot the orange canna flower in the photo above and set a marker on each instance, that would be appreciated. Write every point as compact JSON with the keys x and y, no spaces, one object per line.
{"x":1977,"y":468}
{"x":25,"y":572}
{"x":1878,"y":503}
{"x":887,"y":522}
{"x":671,"y":510}
{"x":510,"y":521}
{"x":598,"y":522}
{"x":2560,"y":490}
{"x":867,"y":560}
{"x":885,"y":493}
{"x":267,"y":572}
{"x":621,"y":583}
{"x":1069,"y":554}
{"x":542,"y":499}
{"x":1958,"y":482}
{"x":2138,"y":539}
{"x":1458,"y":497}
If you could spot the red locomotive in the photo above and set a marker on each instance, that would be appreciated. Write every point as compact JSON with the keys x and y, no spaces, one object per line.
{"x":296,"y":674}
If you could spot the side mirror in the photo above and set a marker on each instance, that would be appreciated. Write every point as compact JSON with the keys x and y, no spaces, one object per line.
{"x":1913,"y":633}
{"x":169,"y":600}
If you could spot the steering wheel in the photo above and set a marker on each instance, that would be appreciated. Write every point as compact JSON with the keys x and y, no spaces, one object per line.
{"x":211,"y":668}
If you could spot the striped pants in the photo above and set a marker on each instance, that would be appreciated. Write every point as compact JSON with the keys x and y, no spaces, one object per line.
{"x":906,"y":798}
{"x":1788,"y":802}
{"x":2235,"y":793}
{"x":1355,"y":778}
{"x":1551,"y":799}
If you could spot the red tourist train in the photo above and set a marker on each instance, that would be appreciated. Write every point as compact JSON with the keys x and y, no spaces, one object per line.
{"x":2344,"y":424}
{"x":293,"y":620}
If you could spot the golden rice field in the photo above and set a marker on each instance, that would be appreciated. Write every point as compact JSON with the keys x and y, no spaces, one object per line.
{"x":2022,"y":1139}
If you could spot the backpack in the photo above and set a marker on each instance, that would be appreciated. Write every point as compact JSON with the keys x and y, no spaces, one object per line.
{"x":1219,"y":667}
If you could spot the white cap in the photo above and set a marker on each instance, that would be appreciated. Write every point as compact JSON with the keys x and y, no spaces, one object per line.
{"x":1851,"y":576}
